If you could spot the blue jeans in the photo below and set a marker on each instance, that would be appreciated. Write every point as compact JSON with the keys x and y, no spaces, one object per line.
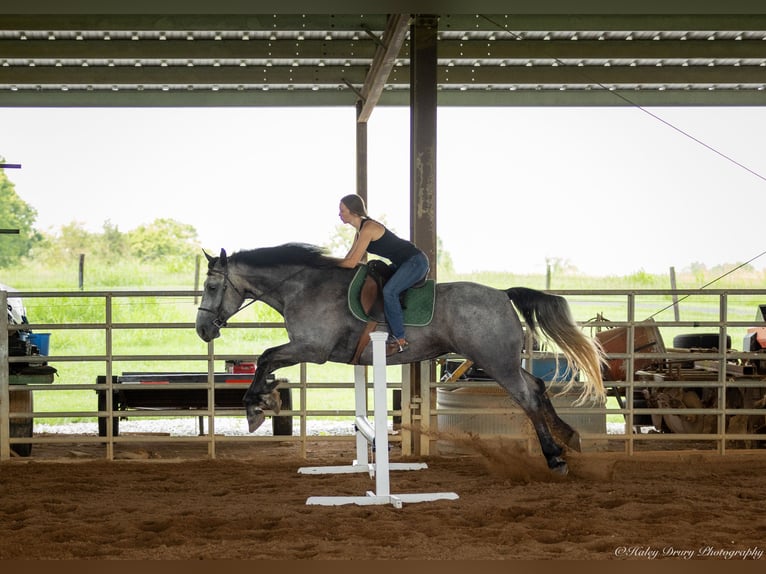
{"x":405,"y":276}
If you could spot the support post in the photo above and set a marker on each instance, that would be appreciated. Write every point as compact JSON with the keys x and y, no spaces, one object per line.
{"x":423,"y":136}
{"x":361,"y":153}
{"x":360,"y":411}
{"x":81,"y":272}
{"x":676,"y":311}
{"x":5,"y":392}
{"x":423,"y":108}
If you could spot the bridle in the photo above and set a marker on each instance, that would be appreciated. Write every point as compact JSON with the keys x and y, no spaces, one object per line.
{"x":218,"y":321}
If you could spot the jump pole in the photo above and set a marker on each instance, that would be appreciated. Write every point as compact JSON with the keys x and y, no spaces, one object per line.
{"x":377,"y":436}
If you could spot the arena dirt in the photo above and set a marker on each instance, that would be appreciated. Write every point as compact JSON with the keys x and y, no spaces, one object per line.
{"x":250,"y":503}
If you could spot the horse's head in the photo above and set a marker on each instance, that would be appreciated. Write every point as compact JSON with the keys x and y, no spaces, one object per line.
{"x":220,"y":300}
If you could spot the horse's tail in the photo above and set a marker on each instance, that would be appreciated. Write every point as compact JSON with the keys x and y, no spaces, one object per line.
{"x":552,"y":314}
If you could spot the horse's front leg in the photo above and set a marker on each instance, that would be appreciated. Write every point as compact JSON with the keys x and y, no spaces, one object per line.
{"x":262,"y":395}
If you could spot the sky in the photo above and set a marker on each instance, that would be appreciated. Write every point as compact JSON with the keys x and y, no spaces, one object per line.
{"x":609,"y":191}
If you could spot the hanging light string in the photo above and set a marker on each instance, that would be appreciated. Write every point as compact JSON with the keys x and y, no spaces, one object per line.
{"x":627,"y":100}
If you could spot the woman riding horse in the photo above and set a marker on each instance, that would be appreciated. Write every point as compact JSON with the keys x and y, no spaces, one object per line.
{"x":410,"y":264}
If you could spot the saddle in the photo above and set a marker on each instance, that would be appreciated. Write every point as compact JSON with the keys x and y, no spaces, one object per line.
{"x":371,"y":295}
{"x":371,"y":301}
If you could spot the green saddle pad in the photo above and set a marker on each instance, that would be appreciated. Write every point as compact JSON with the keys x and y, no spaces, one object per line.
{"x":418,"y":302}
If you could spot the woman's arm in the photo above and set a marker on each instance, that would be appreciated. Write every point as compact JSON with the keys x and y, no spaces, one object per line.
{"x":358,"y":250}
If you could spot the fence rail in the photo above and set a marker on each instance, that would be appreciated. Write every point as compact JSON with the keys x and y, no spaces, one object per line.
{"x":642,"y":406}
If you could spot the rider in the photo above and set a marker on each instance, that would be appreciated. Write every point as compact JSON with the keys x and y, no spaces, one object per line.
{"x":409,"y":263}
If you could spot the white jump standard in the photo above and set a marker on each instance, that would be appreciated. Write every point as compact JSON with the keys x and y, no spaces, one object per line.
{"x":376,"y":435}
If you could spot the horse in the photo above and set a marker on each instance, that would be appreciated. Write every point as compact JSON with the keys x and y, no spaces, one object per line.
{"x":304,"y":284}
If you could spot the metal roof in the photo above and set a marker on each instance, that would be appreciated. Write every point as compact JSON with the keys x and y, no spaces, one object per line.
{"x":330,"y":59}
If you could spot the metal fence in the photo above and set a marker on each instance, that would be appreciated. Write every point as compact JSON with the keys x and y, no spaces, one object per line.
{"x":728,"y":381}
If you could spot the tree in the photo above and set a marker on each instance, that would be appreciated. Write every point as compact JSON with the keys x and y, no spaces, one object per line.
{"x":163,"y":238}
{"x":113,"y":242}
{"x":75,"y":239}
{"x":15,"y":213}
{"x":698,"y":270}
{"x":64,"y":245}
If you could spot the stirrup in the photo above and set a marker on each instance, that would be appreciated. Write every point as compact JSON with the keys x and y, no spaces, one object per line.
{"x":393,"y":346}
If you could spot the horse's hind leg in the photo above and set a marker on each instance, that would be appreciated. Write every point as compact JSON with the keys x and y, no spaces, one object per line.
{"x":559,"y":427}
{"x":532,"y":401}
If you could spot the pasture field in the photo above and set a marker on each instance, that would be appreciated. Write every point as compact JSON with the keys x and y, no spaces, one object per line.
{"x":131,"y":276}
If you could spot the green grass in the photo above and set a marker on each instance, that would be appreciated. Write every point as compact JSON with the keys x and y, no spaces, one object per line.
{"x":128,"y":276}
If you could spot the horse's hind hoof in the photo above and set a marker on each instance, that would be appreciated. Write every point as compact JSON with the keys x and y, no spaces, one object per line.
{"x":559,"y":466}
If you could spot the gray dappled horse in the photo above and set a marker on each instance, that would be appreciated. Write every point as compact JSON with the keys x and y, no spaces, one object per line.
{"x":478,"y":322}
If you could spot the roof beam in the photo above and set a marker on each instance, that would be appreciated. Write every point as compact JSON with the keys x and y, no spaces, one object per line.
{"x":382,"y":63}
{"x":342,"y":50}
{"x":190,"y":22}
{"x":752,"y":20}
{"x":340,"y":75}
{"x":181,"y":75}
{"x":185,"y":49}
{"x":598,"y":97}
{"x":607,"y":75}
{"x":627,"y":21}
{"x":309,"y":98}
{"x":601,"y":49}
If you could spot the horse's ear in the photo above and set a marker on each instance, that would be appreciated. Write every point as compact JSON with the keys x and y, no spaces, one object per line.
{"x":223,"y":256}
{"x":208,"y":256}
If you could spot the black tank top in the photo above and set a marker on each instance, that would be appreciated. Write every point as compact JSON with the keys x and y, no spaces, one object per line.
{"x":390,"y":246}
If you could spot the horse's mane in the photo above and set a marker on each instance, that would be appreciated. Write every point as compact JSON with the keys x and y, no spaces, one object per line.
{"x":287,"y":254}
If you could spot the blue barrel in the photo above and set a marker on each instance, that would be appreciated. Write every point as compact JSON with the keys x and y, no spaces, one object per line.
{"x":42,"y":341}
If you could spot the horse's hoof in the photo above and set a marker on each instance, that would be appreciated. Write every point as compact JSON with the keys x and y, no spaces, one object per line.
{"x":255,"y":418}
{"x":559,"y":466}
{"x":271,"y":402}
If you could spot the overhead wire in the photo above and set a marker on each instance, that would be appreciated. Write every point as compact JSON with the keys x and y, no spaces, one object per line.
{"x":708,"y":284}
{"x":639,"y":107}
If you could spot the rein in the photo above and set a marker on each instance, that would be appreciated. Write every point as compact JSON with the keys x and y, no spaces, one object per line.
{"x":220,"y":323}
